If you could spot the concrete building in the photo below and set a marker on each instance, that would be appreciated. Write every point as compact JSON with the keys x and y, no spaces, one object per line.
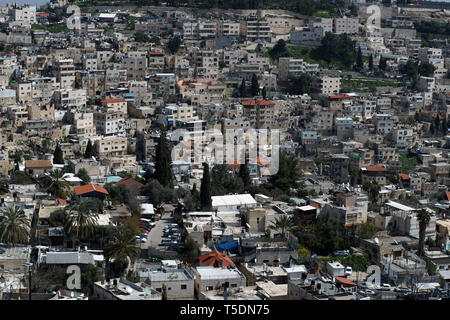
{"x":210,"y":278}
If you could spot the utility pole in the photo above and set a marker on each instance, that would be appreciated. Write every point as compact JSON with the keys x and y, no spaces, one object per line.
{"x":29,"y":265}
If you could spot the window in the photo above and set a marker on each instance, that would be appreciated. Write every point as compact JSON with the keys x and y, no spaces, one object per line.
{"x":209,"y":288}
{"x":183,"y":287}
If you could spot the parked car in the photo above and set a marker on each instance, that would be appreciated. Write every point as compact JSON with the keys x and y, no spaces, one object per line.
{"x":385,"y":287}
{"x":341,"y":253}
{"x":402,"y":289}
{"x":348,"y":271}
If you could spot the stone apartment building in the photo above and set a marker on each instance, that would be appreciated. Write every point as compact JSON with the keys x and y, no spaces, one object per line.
{"x":115,"y":105}
{"x":329,"y":85}
{"x":111,"y":146}
{"x":136,"y":64}
{"x":36,"y":112}
{"x":65,"y":73}
{"x":109,"y":123}
{"x":339,"y":168}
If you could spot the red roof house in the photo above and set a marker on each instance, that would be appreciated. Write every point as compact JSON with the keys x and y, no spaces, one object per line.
{"x":216,"y":259}
{"x":90,"y":191}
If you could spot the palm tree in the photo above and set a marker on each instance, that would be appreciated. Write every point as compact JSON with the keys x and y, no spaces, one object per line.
{"x":122,"y":246}
{"x":82,"y":218}
{"x":424,"y":218}
{"x":57,"y":182}
{"x":281,"y":224}
{"x":14,"y":226}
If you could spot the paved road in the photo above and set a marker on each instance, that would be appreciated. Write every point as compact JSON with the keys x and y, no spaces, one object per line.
{"x":155,"y":235}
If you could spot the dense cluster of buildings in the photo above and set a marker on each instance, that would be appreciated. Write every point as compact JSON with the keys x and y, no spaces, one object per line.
{"x":378,"y":156}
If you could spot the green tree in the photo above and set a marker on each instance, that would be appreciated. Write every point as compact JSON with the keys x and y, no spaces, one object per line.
{"x":191,"y":248}
{"x":164,"y":292}
{"x":158,"y":194}
{"x":279,"y":50}
{"x":205,"y":189}
{"x":242,"y":89}
{"x":373,"y":189}
{"x":90,"y":150}
{"x":366,"y":230}
{"x":359,"y":61}
{"x":223,"y":181}
{"x":424,"y":217}
{"x":58,"y":155}
{"x":281,"y":224}
{"x":57,"y":183}
{"x":82,"y":218}
{"x":301,"y":84}
{"x":244,"y":174}
{"x":426,"y":69}
{"x":303,"y":253}
{"x":371,"y":63}
{"x":382,"y":64}
{"x":14,"y":226}
{"x":163,"y":160}
{"x":122,"y":246}
{"x":83,"y":175}
{"x":254,"y":89}
{"x":337,"y":48}
{"x":174,"y":44}
{"x":58,"y":218}
{"x":264,"y":93}
{"x":141,"y":37}
{"x":287,"y":175}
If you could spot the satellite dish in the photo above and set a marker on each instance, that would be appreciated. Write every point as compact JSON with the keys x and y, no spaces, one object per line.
{"x":72,"y":294}
{"x":128,"y":289}
{"x":376,"y":240}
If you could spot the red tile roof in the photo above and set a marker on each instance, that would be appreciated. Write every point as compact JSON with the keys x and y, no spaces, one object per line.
{"x":315,"y":205}
{"x":340,"y":96}
{"x":113,"y":100}
{"x":248,"y":103}
{"x":130,"y":183}
{"x":265,"y":103}
{"x":448,"y":195}
{"x":345,"y":281}
{"x":89,"y":188}
{"x":376,"y":168}
{"x":61,"y":201}
{"x":213,"y":259}
{"x":155,"y":53}
{"x":404,"y":176}
{"x":234,"y":163}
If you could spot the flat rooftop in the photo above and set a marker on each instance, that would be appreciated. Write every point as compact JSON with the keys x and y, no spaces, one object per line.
{"x":211,"y":273}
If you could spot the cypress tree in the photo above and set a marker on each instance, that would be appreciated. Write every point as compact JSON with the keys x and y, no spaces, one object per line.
{"x":359,"y":61}
{"x":244,"y":174}
{"x":89,"y":152}
{"x":371,"y":63}
{"x":254,"y":89}
{"x":242,"y":89}
{"x":264,"y":93}
{"x":163,"y":172}
{"x":382,"y":64}
{"x":58,"y":155}
{"x":205,"y":189}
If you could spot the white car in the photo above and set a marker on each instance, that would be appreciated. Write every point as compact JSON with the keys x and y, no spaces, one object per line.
{"x":348,"y":271}
{"x":385,"y":287}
